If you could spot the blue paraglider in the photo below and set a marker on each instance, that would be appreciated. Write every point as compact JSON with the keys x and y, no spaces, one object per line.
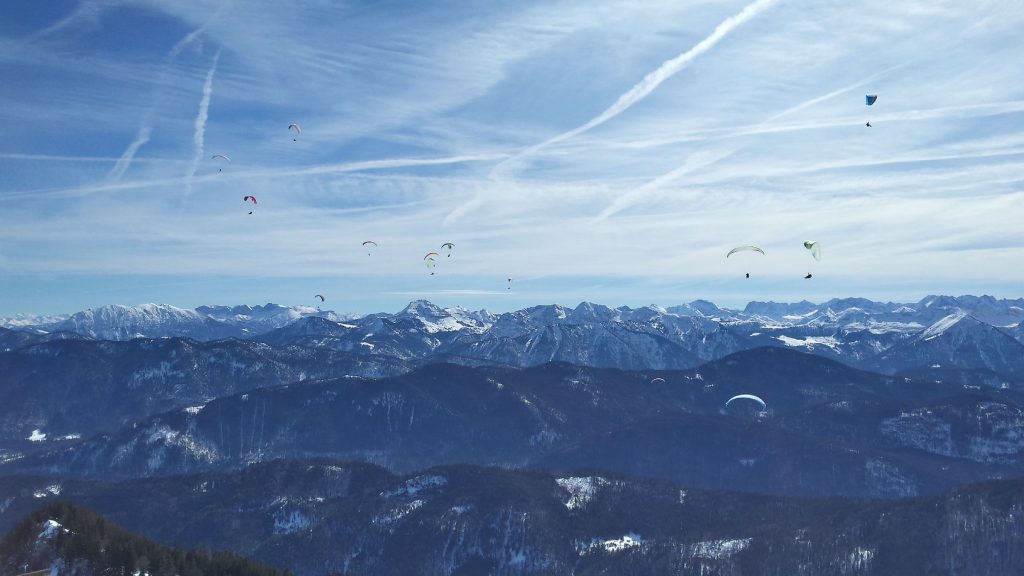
{"x":870,"y":99}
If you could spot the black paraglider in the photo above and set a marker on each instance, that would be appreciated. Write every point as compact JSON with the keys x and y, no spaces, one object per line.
{"x":868,"y":124}
{"x":808,"y":276}
{"x":748,"y":274}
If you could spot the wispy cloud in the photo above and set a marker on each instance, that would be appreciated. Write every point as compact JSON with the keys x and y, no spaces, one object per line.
{"x":752,"y":133}
{"x":86,"y":14}
{"x":647,"y":85}
{"x":247,"y":176}
{"x":81,"y":159}
{"x":192,"y":36}
{"x":705,"y":158}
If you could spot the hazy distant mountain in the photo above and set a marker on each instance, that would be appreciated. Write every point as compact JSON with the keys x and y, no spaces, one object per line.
{"x":570,"y":405}
{"x":316,"y":517}
{"x":829,"y":429}
{"x":62,"y":390}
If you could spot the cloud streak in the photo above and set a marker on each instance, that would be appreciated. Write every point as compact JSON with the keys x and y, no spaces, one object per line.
{"x":129,"y":154}
{"x":319,"y":170}
{"x":199,"y":135}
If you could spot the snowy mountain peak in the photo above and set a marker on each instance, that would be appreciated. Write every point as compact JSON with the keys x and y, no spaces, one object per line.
{"x":423,"y":309}
{"x":590,"y":312}
{"x":119,"y":322}
{"x":435,"y":319}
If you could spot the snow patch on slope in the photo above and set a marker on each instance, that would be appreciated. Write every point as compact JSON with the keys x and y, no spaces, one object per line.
{"x":414,"y":486}
{"x":810,"y":341}
{"x":50,"y":529}
{"x":940,"y":327}
{"x":718,"y":549}
{"x":581,"y":489}
{"x":627,"y":541}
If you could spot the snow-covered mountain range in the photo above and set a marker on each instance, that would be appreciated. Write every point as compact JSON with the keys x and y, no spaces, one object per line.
{"x":969,"y":339}
{"x":119,"y":322}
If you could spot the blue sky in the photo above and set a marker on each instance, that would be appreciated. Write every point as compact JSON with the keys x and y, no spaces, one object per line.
{"x":610,"y":151}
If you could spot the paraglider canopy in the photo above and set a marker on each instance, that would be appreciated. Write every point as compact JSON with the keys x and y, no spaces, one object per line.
{"x":814,"y":247}
{"x":369,"y":242}
{"x":247,"y":198}
{"x":869,"y":99}
{"x":320,"y":296}
{"x":748,"y":397}
{"x":744,"y":249}
{"x":658,"y":381}
{"x":215,"y":156}
{"x":429,"y":254}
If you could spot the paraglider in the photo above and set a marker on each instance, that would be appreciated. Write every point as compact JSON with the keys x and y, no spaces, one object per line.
{"x":869,"y":99}
{"x":215,"y":156}
{"x":814,"y":247}
{"x":247,"y":198}
{"x":509,"y":284}
{"x":747,"y":397}
{"x":369,"y":243}
{"x":658,"y":381}
{"x":744,"y":249}
{"x":808,"y":276}
{"x":449,"y":246}
{"x":298,"y":131}
{"x":320,"y":296}
{"x":431,"y":263}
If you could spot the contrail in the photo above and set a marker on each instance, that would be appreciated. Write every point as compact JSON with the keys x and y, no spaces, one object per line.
{"x":126,"y":158}
{"x":200,"y":132}
{"x":191,"y":36}
{"x":703,"y":160}
{"x":650,"y":82}
{"x":144,"y":131}
{"x":692,"y":164}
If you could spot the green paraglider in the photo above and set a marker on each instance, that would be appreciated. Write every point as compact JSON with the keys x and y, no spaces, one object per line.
{"x":814,"y":247}
{"x":744,"y":249}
